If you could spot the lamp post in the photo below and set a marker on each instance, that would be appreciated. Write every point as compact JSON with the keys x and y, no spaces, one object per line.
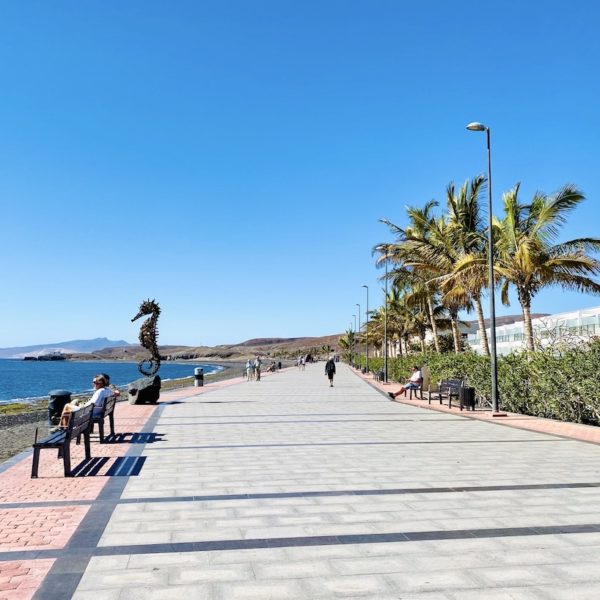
{"x":481,"y":127}
{"x":352,"y":345}
{"x":367,"y":330}
{"x":385,"y":341}
{"x":358,"y":321}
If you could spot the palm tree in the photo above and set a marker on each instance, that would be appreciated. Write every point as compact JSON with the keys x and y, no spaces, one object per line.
{"x":433,"y":257}
{"x":469,"y":238}
{"x":528,"y":258}
{"x":442,"y":243}
{"x":346,"y":343}
{"x":399,"y":254}
{"x":397,"y":317}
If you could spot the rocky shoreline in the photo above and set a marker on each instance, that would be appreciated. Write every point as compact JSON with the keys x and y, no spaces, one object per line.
{"x":18,"y":430}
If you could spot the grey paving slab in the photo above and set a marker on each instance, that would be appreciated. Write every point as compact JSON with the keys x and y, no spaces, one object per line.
{"x":319,"y":492}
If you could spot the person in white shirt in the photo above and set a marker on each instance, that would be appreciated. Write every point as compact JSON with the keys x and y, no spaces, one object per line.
{"x":414,"y":383}
{"x":101,"y":393}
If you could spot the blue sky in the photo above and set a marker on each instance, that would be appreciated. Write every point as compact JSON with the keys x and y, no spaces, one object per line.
{"x":232,"y":159}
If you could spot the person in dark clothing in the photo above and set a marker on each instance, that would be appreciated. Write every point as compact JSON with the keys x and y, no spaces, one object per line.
{"x":330,"y":370}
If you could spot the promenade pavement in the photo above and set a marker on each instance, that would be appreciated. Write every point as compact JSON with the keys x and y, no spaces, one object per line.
{"x":287,"y":488}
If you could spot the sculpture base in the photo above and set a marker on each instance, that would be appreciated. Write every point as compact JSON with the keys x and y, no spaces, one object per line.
{"x":145,"y":390}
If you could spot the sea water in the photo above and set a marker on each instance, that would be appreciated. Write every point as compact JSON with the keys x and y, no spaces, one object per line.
{"x":22,"y":380}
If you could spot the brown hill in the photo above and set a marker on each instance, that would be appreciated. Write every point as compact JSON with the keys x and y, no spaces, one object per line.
{"x":273,"y":347}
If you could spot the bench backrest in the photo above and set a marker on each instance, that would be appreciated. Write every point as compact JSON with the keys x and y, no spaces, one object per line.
{"x":79,"y":421}
{"x":450,"y":385}
{"x":109,"y":406}
{"x":426,"y":377}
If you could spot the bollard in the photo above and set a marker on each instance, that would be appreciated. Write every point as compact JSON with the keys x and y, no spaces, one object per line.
{"x":198,"y":377}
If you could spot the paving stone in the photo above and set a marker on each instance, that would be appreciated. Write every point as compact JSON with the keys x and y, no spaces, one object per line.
{"x":254,"y":454}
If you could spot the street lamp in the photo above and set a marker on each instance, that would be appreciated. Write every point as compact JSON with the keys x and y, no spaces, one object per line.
{"x":481,"y":127}
{"x":358,"y":324}
{"x":385,"y":341}
{"x":367,"y":330}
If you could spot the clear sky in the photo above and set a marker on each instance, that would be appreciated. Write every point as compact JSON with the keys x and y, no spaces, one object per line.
{"x":232,"y":158}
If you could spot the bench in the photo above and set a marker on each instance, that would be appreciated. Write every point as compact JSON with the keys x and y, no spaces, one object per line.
{"x":448,"y":388}
{"x":80,"y":422}
{"x":108,"y":410}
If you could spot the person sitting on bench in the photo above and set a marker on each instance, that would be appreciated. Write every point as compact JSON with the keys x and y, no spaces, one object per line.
{"x":101,"y":393}
{"x":414,"y":383}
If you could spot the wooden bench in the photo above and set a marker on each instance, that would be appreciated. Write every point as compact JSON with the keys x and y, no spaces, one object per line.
{"x":80,"y":422}
{"x":108,"y":410}
{"x":448,"y":388}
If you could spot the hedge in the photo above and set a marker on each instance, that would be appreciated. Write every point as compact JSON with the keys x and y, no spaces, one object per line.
{"x":552,"y":384}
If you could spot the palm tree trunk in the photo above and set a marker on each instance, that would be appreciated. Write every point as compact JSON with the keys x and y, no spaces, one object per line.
{"x":527,"y":324}
{"x":482,"y":332}
{"x":455,"y":332}
{"x":436,"y":341}
{"x":434,"y":332}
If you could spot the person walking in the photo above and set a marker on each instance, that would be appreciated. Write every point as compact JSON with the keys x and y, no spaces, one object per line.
{"x":330,"y":370}
{"x":249,"y":370}
{"x":257,"y":367}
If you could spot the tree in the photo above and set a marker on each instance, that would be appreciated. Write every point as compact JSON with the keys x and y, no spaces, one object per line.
{"x":528,"y":258}
{"x":399,"y":255}
{"x":527,"y":255}
{"x":469,"y":239}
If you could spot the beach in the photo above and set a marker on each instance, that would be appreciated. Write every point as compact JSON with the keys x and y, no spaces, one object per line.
{"x":18,"y":430}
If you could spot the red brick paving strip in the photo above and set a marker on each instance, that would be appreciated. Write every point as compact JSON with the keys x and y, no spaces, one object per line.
{"x":38,"y":528}
{"x":52,"y":527}
{"x":19,"y":579}
{"x":575,"y":431}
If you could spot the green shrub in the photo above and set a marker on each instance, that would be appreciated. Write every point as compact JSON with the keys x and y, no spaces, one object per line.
{"x":556,"y":384}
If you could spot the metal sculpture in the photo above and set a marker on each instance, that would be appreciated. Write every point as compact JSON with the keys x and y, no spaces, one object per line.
{"x":148,"y":335}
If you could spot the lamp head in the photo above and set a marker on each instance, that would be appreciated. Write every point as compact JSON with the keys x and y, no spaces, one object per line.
{"x":475,"y":126}
{"x":365,"y":286}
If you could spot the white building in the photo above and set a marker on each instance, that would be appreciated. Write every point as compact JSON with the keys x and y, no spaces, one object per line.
{"x":569,"y":327}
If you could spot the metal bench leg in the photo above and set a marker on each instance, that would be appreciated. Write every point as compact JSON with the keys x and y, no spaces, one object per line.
{"x":67,"y":459}
{"x":101,"y":430}
{"x":86,"y":443}
{"x":36,"y":462}
{"x":111,"y":419}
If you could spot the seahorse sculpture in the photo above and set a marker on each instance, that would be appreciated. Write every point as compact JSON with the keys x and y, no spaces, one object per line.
{"x":148,"y":336}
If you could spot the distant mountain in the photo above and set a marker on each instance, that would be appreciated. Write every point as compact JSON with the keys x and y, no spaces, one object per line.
{"x":70,"y":347}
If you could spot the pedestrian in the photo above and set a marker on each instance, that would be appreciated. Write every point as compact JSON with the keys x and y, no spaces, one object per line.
{"x":330,"y":370}
{"x":257,"y":367}
{"x":249,"y":370}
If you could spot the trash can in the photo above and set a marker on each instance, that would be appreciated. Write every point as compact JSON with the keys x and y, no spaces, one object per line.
{"x":467,"y":398}
{"x":198,"y":377}
{"x":58,"y":400}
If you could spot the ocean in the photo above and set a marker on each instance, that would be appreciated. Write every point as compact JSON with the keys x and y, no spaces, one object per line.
{"x":22,"y":380}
